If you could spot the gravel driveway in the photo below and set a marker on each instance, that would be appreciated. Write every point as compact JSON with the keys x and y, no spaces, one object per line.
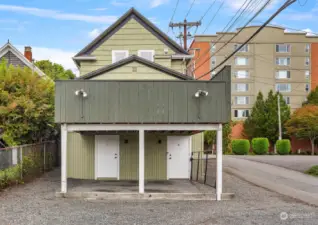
{"x":34,"y":203}
{"x":299,"y":163}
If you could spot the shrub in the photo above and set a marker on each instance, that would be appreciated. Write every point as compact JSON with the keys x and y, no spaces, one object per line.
{"x":283,"y":147}
{"x":313,"y":171}
{"x":240,"y":147}
{"x":260,"y":146}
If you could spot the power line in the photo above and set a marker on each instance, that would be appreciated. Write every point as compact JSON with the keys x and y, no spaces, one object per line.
{"x":237,"y":33}
{"x":174,"y":12}
{"x":284,"y":6}
{"x":215,"y":14}
{"x":206,"y":12}
{"x":302,"y":4}
{"x":189,"y":9}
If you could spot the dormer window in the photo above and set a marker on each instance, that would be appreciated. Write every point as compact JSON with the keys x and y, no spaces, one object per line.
{"x":147,"y":54}
{"x":118,"y":55}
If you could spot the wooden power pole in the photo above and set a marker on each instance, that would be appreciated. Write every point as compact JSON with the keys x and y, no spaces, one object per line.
{"x":185,"y":24}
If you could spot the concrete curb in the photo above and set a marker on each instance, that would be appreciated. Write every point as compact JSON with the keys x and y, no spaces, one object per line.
{"x":303,"y":196}
{"x":147,"y":196}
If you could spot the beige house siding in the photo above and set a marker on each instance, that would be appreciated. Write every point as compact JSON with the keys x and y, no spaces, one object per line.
{"x":127,"y":72}
{"x":132,"y":37}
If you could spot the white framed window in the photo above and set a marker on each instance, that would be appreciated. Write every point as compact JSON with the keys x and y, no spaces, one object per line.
{"x":307,"y":48}
{"x":282,"y":48}
{"x":213,"y":48}
{"x":241,"y":61}
{"x":147,"y":54}
{"x":243,"y":49}
{"x":241,"y":74}
{"x":213,"y":73}
{"x":287,"y":99}
{"x":283,"y":61}
{"x":241,"y":100}
{"x":307,"y":87}
{"x":118,"y":55}
{"x":307,"y":61}
{"x":241,"y":113}
{"x":283,"y":87}
{"x":213,"y":60}
{"x":282,"y":74}
{"x":240,"y":87}
{"x":307,"y":74}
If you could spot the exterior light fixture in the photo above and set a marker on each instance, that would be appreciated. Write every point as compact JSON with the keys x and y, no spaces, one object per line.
{"x":200,"y":93}
{"x":81,"y":92}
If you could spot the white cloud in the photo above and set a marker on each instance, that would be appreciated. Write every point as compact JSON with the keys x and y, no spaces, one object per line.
{"x":47,"y":13}
{"x":94,"y":33}
{"x":121,"y":2}
{"x":156,"y":3}
{"x":309,"y":32}
{"x":53,"y":54}
{"x":99,"y":9}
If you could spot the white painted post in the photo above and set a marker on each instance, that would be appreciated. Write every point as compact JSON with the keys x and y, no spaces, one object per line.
{"x":219,"y":153}
{"x":63,"y":158}
{"x":141,"y":161}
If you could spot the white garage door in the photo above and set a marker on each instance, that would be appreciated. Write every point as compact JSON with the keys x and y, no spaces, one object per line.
{"x":178,"y":157}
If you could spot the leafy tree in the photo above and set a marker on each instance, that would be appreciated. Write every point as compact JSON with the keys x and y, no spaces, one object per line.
{"x":312,"y":98}
{"x":304,"y":124}
{"x":26,"y":106}
{"x":54,"y":71}
{"x":210,"y":137}
{"x":263,"y":121}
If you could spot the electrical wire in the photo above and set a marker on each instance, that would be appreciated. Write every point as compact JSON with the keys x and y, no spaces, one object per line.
{"x":174,"y":12}
{"x":302,"y":4}
{"x":284,"y":6}
{"x":206,"y":12}
{"x":189,"y":9}
{"x":215,"y":14}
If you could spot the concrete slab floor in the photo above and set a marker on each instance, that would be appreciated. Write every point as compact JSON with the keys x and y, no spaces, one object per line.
{"x":169,"y":186}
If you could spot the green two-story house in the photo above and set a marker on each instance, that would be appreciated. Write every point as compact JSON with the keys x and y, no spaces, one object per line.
{"x":133,"y":114}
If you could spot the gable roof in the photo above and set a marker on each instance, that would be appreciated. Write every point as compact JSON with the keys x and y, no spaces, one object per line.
{"x":8,"y":47}
{"x":132,"y":13}
{"x":134,"y":58}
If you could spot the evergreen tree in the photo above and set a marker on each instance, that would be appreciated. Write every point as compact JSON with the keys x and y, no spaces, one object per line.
{"x":313,"y":97}
{"x":263,"y":121}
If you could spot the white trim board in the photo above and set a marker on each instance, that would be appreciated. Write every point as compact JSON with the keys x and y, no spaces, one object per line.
{"x":135,"y":127}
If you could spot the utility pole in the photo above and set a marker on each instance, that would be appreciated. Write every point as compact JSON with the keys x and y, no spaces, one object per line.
{"x":186,"y":25}
{"x":279,"y":119}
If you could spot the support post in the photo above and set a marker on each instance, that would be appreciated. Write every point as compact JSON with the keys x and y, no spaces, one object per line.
{"x":64,"y":158}
{"x":219,"y":153}
{"x":141,"y":161}
{"x":44,"y":157}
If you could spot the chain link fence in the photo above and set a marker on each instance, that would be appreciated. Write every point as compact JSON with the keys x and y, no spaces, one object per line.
{"x":203,"y":168}
{"x":20,"y":163}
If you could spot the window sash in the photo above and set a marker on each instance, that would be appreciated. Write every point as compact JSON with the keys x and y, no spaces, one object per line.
{"x":307,"y":87}
{"x":307,"y":75}
{"x":147,"y":54}
{"x":307,"y":61}
{"x":283,"y":87}
{"x":241,"y":87}
{"x":282,"y":74}
{"x":307,"y":48}
{"x":243,"y":49}
{"x":286,"y":99}
{"x":283,"y":48}
{"x":242,"y":100}
{"x":241,"y":113}
{"x":213,"y":60}
{"x":283,"y":61}
{"x":241,"y":74}
{"x":241,"y":61}
{"x":118,"y":55}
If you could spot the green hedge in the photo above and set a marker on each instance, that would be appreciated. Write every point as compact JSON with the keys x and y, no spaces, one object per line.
{"x":283,"y":147}
{"x":240,"y":147}
{"x":313,"y":171}
{"x":260,"y":146}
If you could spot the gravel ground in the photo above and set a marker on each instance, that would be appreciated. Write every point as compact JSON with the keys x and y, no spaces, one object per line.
{"x":299,"y":163}
{"x":34,"y":203}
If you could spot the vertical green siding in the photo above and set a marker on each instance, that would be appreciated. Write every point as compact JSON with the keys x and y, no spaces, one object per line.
{"x":129,"y":157}
{"x":197,"y":142}
{"x":80,"y":156}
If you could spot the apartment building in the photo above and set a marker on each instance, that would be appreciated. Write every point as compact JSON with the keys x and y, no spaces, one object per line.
{"x":274,"y":60}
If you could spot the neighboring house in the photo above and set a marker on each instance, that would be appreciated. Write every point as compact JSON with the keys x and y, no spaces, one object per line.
{"x":274,"y":59}
{"x":133,"y":113}
{"x":14,"y":57}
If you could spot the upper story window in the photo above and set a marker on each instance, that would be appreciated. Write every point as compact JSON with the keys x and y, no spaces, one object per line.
{"x":287,"y":99}
{"x":243,"y":49}
{"x":147,"y":54}
{"x":241,"y":100}
{"x":241,"y":61}
{"x":307,"y":74}
{"x":307,"y":48}
{"x":283,"y":74}
{"x":118,"y":55}
{"x":241,"y":87}
{"x":307,"y":61}
{"x":283,"y":87}
{"x":213,"y":48}
{"x":283,"y":61}
{"x":307,"y":87}
{"x":282,"y":48}
{"x":213,"y":73}
{"x":241,"y":113}
{"x":213,"y":60}
{"x":241,"y":74}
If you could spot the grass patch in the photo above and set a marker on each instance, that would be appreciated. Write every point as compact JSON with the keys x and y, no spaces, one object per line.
{"x":313,"y":171}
